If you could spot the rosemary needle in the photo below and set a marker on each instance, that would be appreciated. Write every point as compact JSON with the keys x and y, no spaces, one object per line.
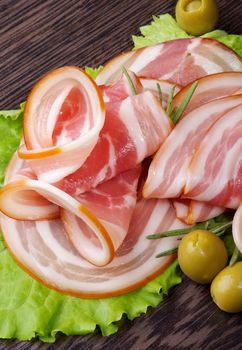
{"x":130,"y":81}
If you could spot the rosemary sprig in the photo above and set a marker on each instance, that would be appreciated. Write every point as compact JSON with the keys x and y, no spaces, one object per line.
{"x":235,"y":256}
{"x":218,"y":229}
{"x":177,"y":112}
{"x":159,"y":93}
{"x":130,"y":81}
{"x":170,"y":98}
{"x":167,"y":252}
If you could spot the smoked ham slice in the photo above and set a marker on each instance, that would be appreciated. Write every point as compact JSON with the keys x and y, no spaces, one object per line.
{"x":168,"y":171}
{"x":215,"y":172}
{"x":63,"y":116}
{"x":134,"y":129}
{"x":237,"y":228}
{"x":210,"y":88}
{"x":44,"y":250}
{"x":191,"y":212}
{"x":179,"y":61}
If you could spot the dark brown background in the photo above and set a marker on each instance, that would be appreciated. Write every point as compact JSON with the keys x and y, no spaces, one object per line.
{"x":37,"y":36}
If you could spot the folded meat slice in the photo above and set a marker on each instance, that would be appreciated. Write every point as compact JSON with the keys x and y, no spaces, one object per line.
{"x":44,"y":250}
{"x":191,"y":212}
{"x":121,"y":89}
{"x":134,"y":129}
{"x":168,"y":170}
{"x":210,"y":88}
{"x":112,"y":202}
{"x":237,"y":228}
{"x":165,"y":86}
{"x":96,"y":222}
{"x":180,"y":61}
{"x":215,"y":172}
{"x":63,"y":116}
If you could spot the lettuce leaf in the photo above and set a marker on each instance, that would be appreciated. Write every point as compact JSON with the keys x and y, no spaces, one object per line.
{"x":164,"y":27}
{"x":93,"y":72}
{"x":46,"y":312}
{"x":11,"y":132}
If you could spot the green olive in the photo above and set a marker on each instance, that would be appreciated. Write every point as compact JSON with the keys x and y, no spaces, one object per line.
{"x":226,"y":288}
{"x":201,"y":255}
{"x":197,"y":17}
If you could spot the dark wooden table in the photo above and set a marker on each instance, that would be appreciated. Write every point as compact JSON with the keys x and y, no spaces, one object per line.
{"x":37,"y":36}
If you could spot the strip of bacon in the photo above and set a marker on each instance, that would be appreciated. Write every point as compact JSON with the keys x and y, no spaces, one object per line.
{"x":180,"y":61}
{"x":215,"y":172}
{"x":191,"y":212}
{"x":121,"y":89}
{"x":237,"y":228}
{"x":134,"y":129}
{"x":210,"y":88}
{"x":165,"y":86}
{"x":97,"y":222}
{"x":63,"y":116}
{"x":168,"y":170}
{"x":43,"y":249}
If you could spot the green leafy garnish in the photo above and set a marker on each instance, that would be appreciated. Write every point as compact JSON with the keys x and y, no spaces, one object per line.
{"x":159,"y":93}
{"x":211,"y":225}
{"x":11,"y":132}
{"x":93,"y":72}
{"x":235,"y":256}
{"x":167,"y":253}
{"x":220,"y":225}
{"x":162,"y":28}
{"x":29,"y":309}
{"x":130,"y":81}
{"x":178,"y":111}
{"x":170,"y":98}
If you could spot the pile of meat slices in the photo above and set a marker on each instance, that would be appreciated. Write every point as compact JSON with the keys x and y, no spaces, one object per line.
{"x":100,"y":168}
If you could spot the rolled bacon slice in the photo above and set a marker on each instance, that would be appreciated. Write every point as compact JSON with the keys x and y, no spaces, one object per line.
{"x":63,"y":116}
{"x":44,"y":250}
{"x":210,"y":88}
{"x":134,"y":129}
{"x":237,"y":228}
{"x":169,"y":168}
{"x":179,"y":61}
{"x":215,"y":172}
{"x":191,"y":212}
{"x":96,"y":222}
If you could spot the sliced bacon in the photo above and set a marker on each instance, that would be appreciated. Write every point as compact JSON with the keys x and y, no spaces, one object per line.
{"x":134,"y":129}
{"x":210,"y":88}
{"x":63,"y":116}
{"x":121,"y":89}
{"x":237,"y":228}
{"x":166,"y":86}
{"x":191,"y":212}
{"x":96,"y":222}
{"x":180,"y":61}
{"x":43,"y":249}
{"x":215,"y":172}
{"x":169,"y":168}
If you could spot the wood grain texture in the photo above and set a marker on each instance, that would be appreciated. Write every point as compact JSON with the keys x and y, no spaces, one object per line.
{"x":37,"y":36}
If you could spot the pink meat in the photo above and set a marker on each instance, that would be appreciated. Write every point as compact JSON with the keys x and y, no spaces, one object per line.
{"x":215,"y":172}
{"x":179,"y":61}
{"x":134,"y":129}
